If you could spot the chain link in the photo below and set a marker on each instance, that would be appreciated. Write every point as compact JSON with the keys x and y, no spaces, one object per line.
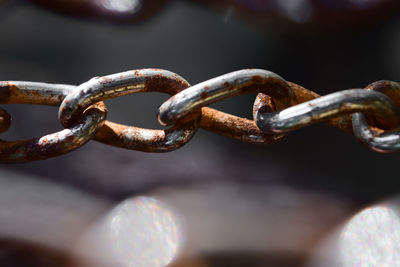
{"x":371,"y":114}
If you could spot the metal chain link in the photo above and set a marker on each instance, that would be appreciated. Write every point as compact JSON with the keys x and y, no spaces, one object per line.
{"x":371,"y":114}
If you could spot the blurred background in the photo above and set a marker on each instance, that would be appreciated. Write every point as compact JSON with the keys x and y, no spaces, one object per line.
{"x":215,"y":201}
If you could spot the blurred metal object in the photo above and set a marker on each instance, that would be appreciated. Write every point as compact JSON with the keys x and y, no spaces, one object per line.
{"x":297,"y":12}
{"x":115,"y":10}
{"x":279,"y":108}
{"x":310,"y":12}
{"x":197,"y":225}
{"x":369,"y":238}
{"x":245,"y":224}
{"x":140,"y":231}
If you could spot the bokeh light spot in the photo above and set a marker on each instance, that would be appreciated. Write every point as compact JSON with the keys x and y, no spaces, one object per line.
{"x":371,"y":238}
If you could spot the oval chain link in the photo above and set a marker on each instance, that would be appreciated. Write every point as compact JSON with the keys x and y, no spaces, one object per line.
{"x":124,"y":83}
{"x":325,"y":107}
{"x":73,"y":137}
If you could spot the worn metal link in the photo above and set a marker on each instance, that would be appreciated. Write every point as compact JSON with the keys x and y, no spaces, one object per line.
{"x":130,"y":82}
{"x":376,"y":138}
{"x":228,"y":85}
{"x":74,"y":136}
{"x":319,"y":109}
{"x":280,"y":107}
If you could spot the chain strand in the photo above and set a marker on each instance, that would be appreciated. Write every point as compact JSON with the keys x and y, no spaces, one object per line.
{"x":371,"y":114}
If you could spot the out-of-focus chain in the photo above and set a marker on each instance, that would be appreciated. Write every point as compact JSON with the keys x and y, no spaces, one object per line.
{"x":371,"y":114}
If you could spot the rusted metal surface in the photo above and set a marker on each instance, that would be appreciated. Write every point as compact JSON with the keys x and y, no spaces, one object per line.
{"x":130,"y":82}
{"x":246,"y":130}
{"x":335,"y":112}
{"x":242,"y":129}
{"x":322,"y":108}
{"x":56,"y":143}
{"x":389,"y":88}
{"x":49,"y":145}
{"x":222,"y":87}
{"x":342,"y":122}
{"x":369,"y":132}
{"x":280,"y":107}
{"x":17,"y":92}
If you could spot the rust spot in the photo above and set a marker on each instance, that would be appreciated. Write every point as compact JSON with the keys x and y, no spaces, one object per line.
{"x":35,"y":93}
{"x":144,"y":139}
{"x":5,"y":92}
{"x":257,"y":79}
{"x":160,"y":83}
{"x":227,"y":85}
{"x":229,"y":125}
{"x":105,"y":80}
{"x":389,"y":88}
{"x":137,"y":73}
{"x":203,"y":95}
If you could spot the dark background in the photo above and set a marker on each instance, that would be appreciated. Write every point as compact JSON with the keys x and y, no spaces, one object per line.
{"x":198,"y":43}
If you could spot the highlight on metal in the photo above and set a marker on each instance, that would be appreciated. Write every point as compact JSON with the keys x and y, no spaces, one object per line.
{"x":371,"y":113}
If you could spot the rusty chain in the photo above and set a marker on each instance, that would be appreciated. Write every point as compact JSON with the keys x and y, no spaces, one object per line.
{"x":371,"y":114}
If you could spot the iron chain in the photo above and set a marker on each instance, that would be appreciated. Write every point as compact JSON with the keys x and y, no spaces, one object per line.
{"x":371,"y":114}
